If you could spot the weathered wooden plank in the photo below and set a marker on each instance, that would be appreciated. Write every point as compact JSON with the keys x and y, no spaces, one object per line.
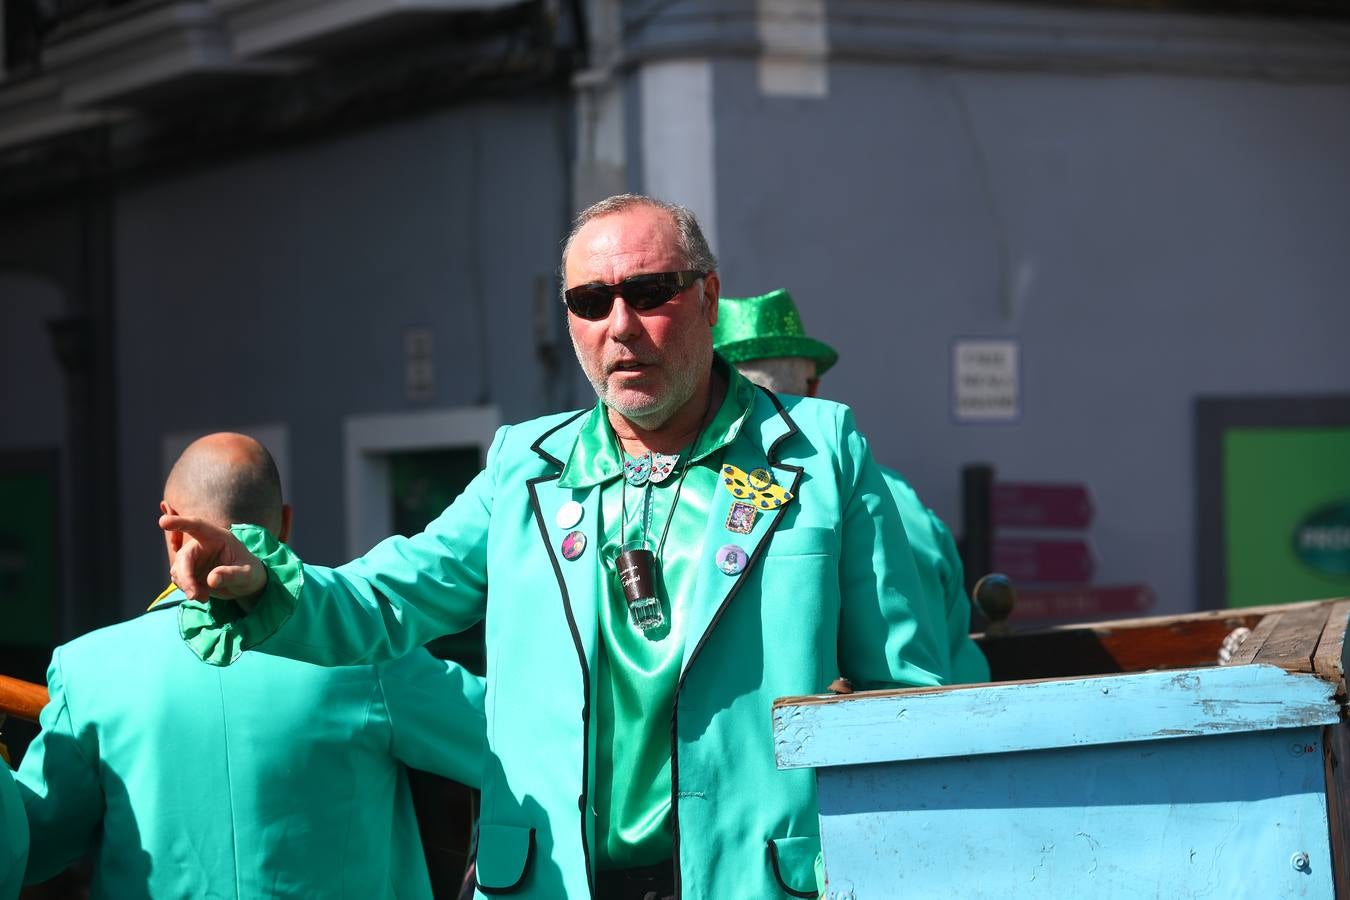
{"x":21,"y":699}
{"x":1256,"y":640}
{"x":1239,"y":613}
{"x":1214,"y":817}
{"x":1294,"y":641}
{"x":1126,"y":645}
{"x":1329,"y":660}
{"x":1091,"y":651}
{"x":1336,"y":752}
{"x":884,"y":726}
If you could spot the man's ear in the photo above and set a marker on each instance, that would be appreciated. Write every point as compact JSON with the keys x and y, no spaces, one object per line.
{"x":284,"y":534}
{"x":712,"y":288}
{"x":174,"y":539}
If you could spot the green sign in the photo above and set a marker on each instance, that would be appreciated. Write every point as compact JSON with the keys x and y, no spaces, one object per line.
{"x":1322,"y":540}
{"x":1286,"y":501}
{"x":424,"y":483}
{"x":27,"y":557}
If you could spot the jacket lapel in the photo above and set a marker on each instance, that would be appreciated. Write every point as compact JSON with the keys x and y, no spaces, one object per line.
{"x":754,"y":448}
{"x":578,"y":579}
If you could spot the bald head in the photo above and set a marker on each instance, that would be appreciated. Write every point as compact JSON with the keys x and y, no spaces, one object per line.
{"x":227,"y":479}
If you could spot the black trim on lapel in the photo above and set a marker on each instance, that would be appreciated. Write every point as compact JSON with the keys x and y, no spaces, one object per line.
{"x":538,"y":445}
{"x":717,"y":616}
{"x":576,"y":636}
{"x":792,"y":430}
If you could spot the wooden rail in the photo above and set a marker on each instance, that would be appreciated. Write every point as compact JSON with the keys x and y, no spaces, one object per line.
{"x":21,"y":699}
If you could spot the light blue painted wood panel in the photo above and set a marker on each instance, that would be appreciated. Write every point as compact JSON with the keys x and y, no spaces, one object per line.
{"x":1148,"y":706}
{"x":1217,"y":817}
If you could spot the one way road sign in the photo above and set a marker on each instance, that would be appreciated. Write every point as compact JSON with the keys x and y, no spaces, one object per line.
{"x":1026,"y":505}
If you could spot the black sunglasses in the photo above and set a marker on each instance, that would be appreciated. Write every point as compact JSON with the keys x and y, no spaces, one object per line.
{"x":641,"y":292}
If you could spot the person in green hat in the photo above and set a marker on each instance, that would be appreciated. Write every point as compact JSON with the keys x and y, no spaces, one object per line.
{"x":764,"y":338}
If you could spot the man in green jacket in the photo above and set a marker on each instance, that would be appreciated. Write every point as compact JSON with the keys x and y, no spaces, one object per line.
{"x":13,"y":836}
{"x":653,"y":573}
{"x":764,"y":338}
{"x":273,"y":778}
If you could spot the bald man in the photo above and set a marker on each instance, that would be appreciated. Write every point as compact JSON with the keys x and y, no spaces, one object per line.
{"x":271,"y":778}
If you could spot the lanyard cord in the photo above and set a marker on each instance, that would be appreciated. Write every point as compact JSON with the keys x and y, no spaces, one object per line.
{"x":647,"y":499}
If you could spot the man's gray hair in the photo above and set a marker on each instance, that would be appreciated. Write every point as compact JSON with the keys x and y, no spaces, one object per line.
{"x":689,"y":237}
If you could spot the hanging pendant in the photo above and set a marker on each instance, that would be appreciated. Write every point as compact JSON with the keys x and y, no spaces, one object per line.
{"x":638,"y":579}
{"x":637,"y":469}
{"x":663,"y":466}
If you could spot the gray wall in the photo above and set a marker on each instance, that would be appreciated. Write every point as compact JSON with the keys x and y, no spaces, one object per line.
{"x":1146,"y":238}
{"x":275,"y":289}
{"x":31,"y":403}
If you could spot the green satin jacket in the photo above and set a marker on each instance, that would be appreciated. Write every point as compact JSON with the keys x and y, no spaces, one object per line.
{"x":13,"y":836}
{"x":272,"y":778}
{"x":830,"y":588}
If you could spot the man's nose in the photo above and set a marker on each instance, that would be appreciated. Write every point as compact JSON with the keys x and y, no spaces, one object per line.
{"x":623,"y":321}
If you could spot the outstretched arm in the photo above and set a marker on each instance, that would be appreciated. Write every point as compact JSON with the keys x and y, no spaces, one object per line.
{"x":252,"y":591}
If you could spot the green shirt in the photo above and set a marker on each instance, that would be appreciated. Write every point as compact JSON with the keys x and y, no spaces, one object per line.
{"x":637,"y":673}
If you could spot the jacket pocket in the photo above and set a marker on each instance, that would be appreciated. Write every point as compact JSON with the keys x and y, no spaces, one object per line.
{"x":804,"y":540}
{"x":504,"y":856}
{"x":793,"y":861}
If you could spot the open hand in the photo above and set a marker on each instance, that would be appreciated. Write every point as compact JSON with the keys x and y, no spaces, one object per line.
{"x":212,"y":562}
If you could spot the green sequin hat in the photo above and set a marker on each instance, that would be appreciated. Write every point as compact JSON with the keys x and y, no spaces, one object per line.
{"x":766,"y":326}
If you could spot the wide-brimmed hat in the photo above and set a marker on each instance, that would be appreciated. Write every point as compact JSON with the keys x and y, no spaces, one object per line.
{"x":766,"y":326}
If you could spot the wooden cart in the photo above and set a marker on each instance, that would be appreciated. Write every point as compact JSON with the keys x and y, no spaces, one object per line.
{"x":1115,"y":760}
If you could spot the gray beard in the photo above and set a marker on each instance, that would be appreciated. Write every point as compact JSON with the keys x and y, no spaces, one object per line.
{"x":656,"y":413}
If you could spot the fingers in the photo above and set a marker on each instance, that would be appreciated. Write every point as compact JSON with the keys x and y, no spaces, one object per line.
{"x":199,"y":529}
{"x":229,"y":581}
{"x":212,"y":561}
{"x":187,"y":562}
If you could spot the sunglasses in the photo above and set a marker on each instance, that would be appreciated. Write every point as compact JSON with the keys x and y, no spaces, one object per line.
{"x":641,"y":292}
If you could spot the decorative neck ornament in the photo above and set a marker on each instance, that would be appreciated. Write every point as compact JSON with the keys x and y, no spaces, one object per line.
{"x":636,"y":563}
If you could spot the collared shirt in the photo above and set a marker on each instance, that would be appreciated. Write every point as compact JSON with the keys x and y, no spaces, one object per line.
{"x":637,"y":673}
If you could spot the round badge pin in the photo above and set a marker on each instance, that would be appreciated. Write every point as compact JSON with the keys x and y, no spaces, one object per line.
{"x":760,"y":479}
{"x":732,"y":559}
{"x":569,"y":514}
{"x":574,"y":545}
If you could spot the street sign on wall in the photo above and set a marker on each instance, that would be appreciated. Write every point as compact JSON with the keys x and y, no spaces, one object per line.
{"x":1043,"y":560}
{"x":1085,"y":602}
{"x":986,"y":378}
{"x":1030,"y":505}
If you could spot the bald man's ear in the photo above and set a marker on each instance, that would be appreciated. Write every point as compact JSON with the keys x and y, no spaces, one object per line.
{"x":711,"y":291}
{"x":173,"y":540}
{"x":284,"y":534}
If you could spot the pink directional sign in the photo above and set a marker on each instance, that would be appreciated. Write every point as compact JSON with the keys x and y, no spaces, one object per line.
{"x":1027,"y":560}
{"x":1085,"y":602}
{"x":1027,"y":505}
